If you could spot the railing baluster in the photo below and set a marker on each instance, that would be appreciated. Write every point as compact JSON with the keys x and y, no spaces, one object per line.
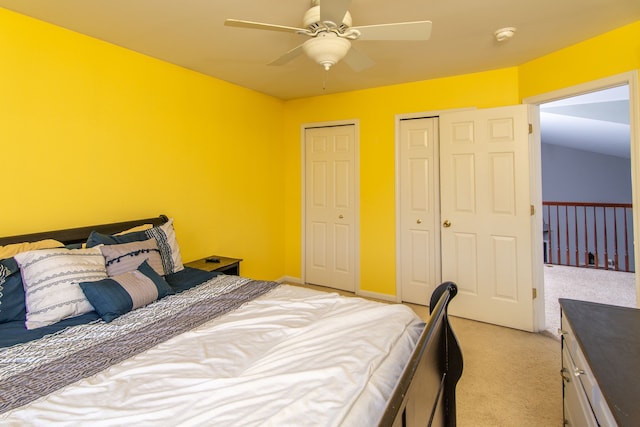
{"x":558,"y":232}
{"x":586,"y":239}
{"x":567,"y":261}
{"x":615,"y":238}
{"x":549,"y":237}
{"x":626,"y":242}
{"x":546,"y":210}
{"x":595,"y":237}
{"x":606,"y":242}
{"x":575,"y":221}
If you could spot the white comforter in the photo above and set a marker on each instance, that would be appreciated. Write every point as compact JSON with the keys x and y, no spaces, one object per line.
{"x":292,"y":357}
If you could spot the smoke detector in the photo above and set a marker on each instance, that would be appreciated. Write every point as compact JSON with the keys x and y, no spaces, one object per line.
{"x":505,"y":33}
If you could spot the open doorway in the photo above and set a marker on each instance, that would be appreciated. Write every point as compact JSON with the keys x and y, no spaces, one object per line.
{"x":587,"y":200}
{"x":627,"y":82}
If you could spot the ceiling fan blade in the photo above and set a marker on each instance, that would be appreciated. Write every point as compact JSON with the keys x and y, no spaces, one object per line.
{"x":357,"y":60}
{"x":333,"y":10}
{"x":287,"y":56}
{"x":261,"y":26}
{"x":419,"y":30}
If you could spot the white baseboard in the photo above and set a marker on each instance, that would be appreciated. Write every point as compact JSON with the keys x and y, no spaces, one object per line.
{"x":378,"y":296}
{"x":364,"y":294}
{"x":290,"y":279}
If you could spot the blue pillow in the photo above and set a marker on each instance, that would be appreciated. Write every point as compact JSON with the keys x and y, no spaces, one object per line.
{"x":96,"y":238}
{"x":12,"y":306}
{"x":125,"y":292}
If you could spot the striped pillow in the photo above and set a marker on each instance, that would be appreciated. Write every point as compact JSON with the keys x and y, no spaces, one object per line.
{"x":164,"y":234}
{"x":125,"y":292}
{"x":50,"y":278}
{"x":128,"y":256}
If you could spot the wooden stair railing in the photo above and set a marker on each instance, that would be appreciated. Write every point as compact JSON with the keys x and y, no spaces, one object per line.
{"x":585,"y":234}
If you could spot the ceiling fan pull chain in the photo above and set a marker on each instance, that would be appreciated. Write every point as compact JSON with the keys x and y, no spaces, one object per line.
{"x":325,"y":79}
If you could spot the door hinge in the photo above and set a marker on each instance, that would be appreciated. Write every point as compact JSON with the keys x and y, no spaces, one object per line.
{"x":530,"y":128}
{"x":535,"y":293}
{"x":532,"y":209}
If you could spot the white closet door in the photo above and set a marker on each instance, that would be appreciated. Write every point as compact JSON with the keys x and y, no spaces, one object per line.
{"x":419,"y":229}
{"x":330,"y":222}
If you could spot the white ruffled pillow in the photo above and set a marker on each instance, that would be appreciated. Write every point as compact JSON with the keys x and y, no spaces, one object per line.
{"x":50,"y":278}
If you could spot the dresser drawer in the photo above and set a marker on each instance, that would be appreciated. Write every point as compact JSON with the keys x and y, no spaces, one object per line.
{"x":577,"y":407}
{"x":576,"y":370}
{"x":601,"y":409}
{"x":601,"y":343}
{"x":579,"y":368}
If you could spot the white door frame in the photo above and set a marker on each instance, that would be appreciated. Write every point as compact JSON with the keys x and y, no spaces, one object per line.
{"x":629,"y":78}
{"x":356,"y":222}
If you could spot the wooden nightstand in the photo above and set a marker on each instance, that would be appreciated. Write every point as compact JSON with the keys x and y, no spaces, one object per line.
{"x":226,"y":265}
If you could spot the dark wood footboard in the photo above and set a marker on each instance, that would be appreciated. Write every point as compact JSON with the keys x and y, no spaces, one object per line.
{"x":426,"y":393}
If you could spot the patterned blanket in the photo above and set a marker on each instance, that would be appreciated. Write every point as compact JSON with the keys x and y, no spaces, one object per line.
{"x":37,"y":368}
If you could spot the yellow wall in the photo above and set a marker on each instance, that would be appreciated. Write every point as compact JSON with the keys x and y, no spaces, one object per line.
{"x":609,"y":54}
{"x":376,"y":110}
{"x":129,"y":136}
{"x":92,"y":133}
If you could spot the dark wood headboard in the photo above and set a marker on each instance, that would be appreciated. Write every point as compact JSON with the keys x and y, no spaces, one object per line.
{"x":80,"y":234}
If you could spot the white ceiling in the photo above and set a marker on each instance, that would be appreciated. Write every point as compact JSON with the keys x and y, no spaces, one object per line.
{"x":596,"y":122}
{"x":191,"y":33}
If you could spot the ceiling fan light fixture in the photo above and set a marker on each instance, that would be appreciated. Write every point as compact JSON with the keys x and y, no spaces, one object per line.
{"x":311,"y":19}
{"x":330,"y":34}
{"x":505,"y":33}
{"x":327,"y":49}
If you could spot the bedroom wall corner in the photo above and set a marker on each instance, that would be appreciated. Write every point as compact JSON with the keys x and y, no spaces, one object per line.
{"x":94,"y":133}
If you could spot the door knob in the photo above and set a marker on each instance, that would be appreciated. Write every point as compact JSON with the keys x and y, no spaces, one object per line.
{"x":446,"y":223}
{"x":419,"y":221}
{"x":340,"y":216}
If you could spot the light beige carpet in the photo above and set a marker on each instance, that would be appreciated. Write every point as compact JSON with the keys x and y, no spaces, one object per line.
{"x":586,"y":284}
{"x":511,"y":378}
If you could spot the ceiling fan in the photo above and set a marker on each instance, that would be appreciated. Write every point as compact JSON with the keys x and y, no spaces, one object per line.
{"x":328,"y":25}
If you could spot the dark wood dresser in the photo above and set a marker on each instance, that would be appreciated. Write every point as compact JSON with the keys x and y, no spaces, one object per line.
{"x":600,"y":364}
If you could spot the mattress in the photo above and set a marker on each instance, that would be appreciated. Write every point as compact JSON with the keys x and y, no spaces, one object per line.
{"x":292,"y":356}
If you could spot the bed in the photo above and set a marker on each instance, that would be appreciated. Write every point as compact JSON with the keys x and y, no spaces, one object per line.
{"x":164,"y":344}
